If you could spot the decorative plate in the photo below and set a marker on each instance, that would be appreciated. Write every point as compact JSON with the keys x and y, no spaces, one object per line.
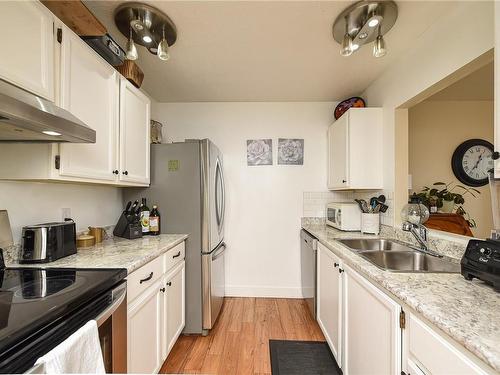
{"x":344,"y":105}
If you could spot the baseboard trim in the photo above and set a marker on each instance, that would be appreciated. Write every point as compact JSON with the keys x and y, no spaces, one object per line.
{"x":263,"y":291}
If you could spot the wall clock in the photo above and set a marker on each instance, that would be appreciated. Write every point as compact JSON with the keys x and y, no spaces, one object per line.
{"x":471,"y":162}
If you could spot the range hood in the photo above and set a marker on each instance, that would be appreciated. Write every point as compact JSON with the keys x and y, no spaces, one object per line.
{"x":25,"y":117}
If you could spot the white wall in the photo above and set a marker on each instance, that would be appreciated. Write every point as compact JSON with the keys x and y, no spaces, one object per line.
{"x":440,"y":51}
{"x":34,"y":203}
{"x":264,"y":204}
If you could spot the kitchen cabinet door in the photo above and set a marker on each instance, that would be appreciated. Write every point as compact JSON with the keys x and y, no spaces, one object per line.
{"x":337,"y":154}
{"x":134,"y":134}
{"x":173,"y":308}
{"x":330,"y":300}
{"x":90,"y":91}
{"x":27,"y":47}
{"x":144,"y":334}
{"x":372,"y":333}
{"x":431,"y":353}
{"x":355,"y":150}
{"x":497,"y":86}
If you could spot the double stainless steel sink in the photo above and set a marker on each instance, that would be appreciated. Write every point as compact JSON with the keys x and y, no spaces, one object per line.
{"x":396,"y":256}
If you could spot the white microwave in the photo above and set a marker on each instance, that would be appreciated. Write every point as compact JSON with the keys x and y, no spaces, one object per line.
{"x":344,"y":216}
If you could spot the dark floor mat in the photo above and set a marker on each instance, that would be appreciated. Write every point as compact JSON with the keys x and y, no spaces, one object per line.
{"x":302,"y":358}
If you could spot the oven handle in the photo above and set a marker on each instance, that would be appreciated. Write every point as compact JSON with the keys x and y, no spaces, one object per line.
{"x":118,"y":296}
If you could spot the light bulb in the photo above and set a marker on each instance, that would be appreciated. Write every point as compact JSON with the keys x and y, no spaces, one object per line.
{"x":355,"y":46}
{"x":131,"y":48}
{"x":162,"y":52}
{"x":346,"y":47}
{"x":374,"y":22}
{"x":379,"y":49}
{"x":147,"y":39}
{"x":52,"y":133}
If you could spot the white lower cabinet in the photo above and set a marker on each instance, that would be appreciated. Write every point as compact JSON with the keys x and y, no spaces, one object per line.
{"x":329,"y":299}
{"x":144,"y":331}
{"x":428,"y":352}
{"x":156,"y":311}
{"x":372,"y":335}
{"x":369,"y":333}
{"x":173,"y":319}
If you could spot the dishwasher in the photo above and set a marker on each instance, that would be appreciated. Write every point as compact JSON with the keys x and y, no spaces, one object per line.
{"x":308,"y":249}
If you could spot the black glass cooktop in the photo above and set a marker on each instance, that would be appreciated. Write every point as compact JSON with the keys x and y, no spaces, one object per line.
{"x":31,"y":299}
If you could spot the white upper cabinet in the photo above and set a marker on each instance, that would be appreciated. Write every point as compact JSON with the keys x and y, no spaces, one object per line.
{"x":90,"y":91}
{"x":355,"y":150}
{"x":134,"y":134}
{"x":27,"y":47}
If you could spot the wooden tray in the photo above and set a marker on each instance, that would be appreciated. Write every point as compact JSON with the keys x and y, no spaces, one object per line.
{"x":132,"y":72}
{"x":76,"y":16}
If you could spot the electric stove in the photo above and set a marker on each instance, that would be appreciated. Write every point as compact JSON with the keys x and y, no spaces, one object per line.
{"x":39,"y":308}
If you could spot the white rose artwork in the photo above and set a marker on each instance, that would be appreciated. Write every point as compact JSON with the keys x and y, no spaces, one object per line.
{"x":259,"y":152}
{"x":290,"y":151}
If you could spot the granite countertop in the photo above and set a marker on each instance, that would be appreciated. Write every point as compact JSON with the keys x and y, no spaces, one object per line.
{"x":115,"y":253}
{"x":468,"y":311}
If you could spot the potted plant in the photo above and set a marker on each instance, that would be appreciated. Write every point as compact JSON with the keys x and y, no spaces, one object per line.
{"x":446,"y":197}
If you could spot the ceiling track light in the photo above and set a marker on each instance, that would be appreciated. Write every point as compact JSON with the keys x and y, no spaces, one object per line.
{"x":147,"y":26}
{"x":362,"y":23}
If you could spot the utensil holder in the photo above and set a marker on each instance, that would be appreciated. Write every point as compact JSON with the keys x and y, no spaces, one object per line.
{"x":370,"y":223}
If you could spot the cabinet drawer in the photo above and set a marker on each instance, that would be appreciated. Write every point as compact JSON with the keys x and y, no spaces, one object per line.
{"x":433,"y":354}
{"x":139,"y":280}
{"x":173,"y":256}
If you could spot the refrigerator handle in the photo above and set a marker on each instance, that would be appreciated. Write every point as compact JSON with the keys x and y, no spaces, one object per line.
{"x":223,"y":206}
{"x":219,"y":206}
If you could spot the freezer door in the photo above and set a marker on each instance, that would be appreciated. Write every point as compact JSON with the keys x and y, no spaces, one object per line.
{"x":213,"y":285}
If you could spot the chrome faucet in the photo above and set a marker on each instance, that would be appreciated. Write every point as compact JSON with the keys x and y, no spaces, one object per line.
{"x":420,"y":233}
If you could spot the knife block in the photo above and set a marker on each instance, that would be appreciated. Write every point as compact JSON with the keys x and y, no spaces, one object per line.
{"x":128,"y":226}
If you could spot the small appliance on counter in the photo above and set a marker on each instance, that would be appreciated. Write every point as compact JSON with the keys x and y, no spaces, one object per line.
{"x":129,"y":224}
{"x":47,"y":242}
{"x":343,"y":216}
{"x":482,"y":261}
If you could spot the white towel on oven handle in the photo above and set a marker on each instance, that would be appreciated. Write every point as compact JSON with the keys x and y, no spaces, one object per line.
{"x":80,"y":353}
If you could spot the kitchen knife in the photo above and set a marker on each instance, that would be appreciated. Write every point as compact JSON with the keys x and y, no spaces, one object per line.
{"x":127,"y":208}
{"x":132,"y":210}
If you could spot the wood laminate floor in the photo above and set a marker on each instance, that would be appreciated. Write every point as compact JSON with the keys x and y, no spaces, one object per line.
{"x":239,"y":342}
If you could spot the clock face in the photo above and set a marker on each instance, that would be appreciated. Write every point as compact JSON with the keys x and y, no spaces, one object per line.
{"x":471,"y":162}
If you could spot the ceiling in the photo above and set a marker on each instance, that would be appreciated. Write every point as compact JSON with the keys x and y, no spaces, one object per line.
{"x":265,"y":50}
{"x":476,"y":86}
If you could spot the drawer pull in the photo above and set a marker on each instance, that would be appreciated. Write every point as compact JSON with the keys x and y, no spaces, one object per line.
{"x":147,"y":278}
{"x":177,"y":255}
{"x":336,"y":265}
{"x":169,"y":283}
{"x":162,"y":290}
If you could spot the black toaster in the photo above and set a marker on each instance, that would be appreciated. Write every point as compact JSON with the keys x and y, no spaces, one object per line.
{"x":47,"y":242}
{"x":482,"y":261}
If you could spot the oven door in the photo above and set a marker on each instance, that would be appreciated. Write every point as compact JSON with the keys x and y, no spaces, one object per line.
{"x":112,"y":324}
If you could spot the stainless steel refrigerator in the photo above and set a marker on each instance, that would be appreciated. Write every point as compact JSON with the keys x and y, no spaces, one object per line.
{"x":187,"y":185}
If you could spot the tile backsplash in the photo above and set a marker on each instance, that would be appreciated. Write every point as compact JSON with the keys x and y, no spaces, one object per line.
{"x":314,"y":202}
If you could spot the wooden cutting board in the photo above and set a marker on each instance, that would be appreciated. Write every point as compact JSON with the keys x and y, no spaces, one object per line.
{"x":76,"y":16}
